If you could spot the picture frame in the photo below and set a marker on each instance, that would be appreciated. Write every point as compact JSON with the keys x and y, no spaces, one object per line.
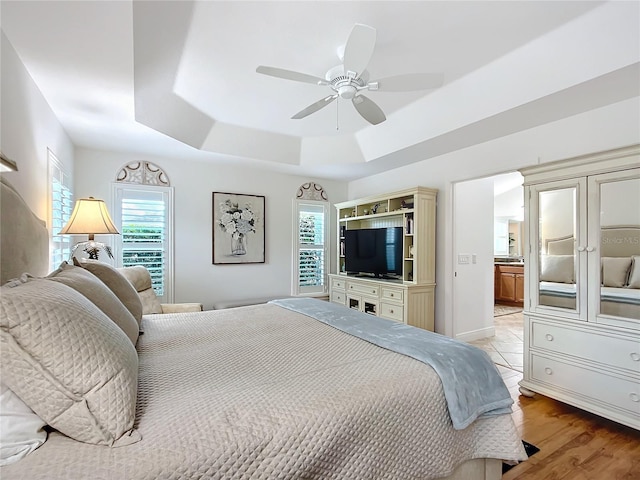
{"x":238,"y":228}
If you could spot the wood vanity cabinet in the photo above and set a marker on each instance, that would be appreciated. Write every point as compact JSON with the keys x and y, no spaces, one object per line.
{"x":509,"y":284}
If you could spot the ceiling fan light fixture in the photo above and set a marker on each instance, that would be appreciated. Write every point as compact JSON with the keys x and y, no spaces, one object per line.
{"x":351,"y":77}
{"x":347,"y":92}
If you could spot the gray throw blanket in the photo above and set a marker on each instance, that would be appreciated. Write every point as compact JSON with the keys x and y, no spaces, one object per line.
{"x":472,"y":385}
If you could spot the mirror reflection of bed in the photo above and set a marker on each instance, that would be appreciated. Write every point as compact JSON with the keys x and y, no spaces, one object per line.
{"x":620,"y":272}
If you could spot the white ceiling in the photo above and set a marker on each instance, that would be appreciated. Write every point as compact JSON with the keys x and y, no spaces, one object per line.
{"x":178,"y":78}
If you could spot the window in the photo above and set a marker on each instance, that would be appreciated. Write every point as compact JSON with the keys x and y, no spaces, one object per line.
{"x":310,"y":247}
{"x":61,"y":205}
{"x":143,"y":214}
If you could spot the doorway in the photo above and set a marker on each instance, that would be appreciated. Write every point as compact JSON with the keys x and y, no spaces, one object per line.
{"x":477,"y":319}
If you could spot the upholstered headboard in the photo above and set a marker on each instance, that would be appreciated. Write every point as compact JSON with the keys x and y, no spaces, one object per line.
{"x":620,"y":241}
{"x":560,"y":246}
{"x":615,"y":241}
{"x":24,"y":240}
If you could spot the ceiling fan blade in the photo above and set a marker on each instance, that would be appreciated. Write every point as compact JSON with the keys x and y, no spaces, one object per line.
{"x":368,"y":109}
{"x":359,"y":48}
{"x":314,"y":107}
{"x":411,"y":82}
{"x":290,"y":75}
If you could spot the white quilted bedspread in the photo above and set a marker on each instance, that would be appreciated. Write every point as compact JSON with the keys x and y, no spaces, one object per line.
{"x":261,"y":392}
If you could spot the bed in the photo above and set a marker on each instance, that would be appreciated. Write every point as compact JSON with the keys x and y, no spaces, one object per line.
{"x":254,"y":392}
{"x":620,"y":272}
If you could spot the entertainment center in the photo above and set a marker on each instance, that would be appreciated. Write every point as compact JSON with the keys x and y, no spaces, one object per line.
{"x":386,"y":256}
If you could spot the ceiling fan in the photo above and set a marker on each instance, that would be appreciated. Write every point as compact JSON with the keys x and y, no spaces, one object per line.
{"x":351,"y":78}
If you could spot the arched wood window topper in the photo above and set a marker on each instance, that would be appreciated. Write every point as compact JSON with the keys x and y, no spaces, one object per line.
{"x":143,"y":173}
{"x":312,"y":191}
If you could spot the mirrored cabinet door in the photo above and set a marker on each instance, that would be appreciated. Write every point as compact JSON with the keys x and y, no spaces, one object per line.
{"x":614,"y":248}
{"x":557,"y":226}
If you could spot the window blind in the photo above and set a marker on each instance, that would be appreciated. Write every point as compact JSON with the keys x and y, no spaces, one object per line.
{"x":144,"y":227}
{"x":61,"y":206}
{"x":311,"y":243}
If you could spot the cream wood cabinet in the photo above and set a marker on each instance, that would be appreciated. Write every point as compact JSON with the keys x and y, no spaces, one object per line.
{"x":410,"y":297}
{"x":582,"y":295}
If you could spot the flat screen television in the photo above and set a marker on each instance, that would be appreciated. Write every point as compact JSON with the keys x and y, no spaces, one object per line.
{"x":374,"y":251}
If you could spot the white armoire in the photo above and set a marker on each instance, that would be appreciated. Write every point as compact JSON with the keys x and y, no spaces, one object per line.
{"x":582,"y":285}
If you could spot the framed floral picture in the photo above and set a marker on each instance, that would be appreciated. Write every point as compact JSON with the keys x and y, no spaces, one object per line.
{"x":238,"y":228}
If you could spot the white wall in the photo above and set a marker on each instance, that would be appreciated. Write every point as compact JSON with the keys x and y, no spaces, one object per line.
{"x":509,"y":203}
{"x":196,"y":279}
{"x":605,"y":128}
{"x":558,"y":213}
{"x":28,"y":127}
{"x":620,"y":203}
{"x":473,"y":281}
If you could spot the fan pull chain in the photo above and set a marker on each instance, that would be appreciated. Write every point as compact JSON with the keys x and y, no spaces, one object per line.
{"x":337,"y":118}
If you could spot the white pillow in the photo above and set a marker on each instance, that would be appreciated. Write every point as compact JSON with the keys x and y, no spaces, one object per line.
{"x":557,"y":268}
{"x":615,"y":271}
{"x":22,"y":430}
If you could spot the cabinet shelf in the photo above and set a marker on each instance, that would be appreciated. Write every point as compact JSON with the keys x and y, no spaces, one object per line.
{"x":376,"y":215}
{"x":414,"y":210}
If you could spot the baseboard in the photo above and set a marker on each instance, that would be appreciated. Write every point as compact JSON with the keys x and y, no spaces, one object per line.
{"x":476,"y":334}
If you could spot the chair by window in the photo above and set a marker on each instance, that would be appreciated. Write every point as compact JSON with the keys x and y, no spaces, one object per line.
{"x":140,"y":278}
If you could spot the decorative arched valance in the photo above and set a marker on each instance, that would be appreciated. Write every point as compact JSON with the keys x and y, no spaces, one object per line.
{"x":143,"y":173}
{"x":312,"y":191}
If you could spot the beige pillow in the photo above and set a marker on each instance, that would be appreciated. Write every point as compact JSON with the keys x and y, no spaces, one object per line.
{"x":117,"y":283}
{"x":140,"y":278}
{"x":68,"y":362}
{"x":615,"y":271}
{"x":557,"y":268}
{"x":634,"y":275}
{"x":96,"y":291}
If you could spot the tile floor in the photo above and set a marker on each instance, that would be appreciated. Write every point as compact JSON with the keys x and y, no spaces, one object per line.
{"x":505,"y":348}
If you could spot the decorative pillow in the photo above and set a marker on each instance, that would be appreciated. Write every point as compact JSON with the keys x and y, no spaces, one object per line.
{"x":557,"y":268}
{"x":140,"y":278}
{"x":96,"y":291}
{"x":117,"y":283}
{"x":615,"y":271}
{"x":68,"y":361}
{"x":634,"y":275}
{"x":22,"y":430}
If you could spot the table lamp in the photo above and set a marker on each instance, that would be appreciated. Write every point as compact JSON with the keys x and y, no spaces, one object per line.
{"x":90,"y":216}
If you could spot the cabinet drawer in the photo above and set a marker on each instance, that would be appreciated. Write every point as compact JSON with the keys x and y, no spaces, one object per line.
{"x":392,"y":312}
{"x":371,"y":290}
{"x":600,"y":386}
{"x":338,"y":297}
{"x":392,"y":294}
{"x":337,"y":284}
{"x":608,"y":350}
{"x":513,"y":269}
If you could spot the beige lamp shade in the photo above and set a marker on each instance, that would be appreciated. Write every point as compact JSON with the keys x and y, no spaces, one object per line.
{"x":90,"y":216}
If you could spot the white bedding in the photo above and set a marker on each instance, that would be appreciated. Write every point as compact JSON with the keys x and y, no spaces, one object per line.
{"x":263,"y":392}
{"x":614,"y":294}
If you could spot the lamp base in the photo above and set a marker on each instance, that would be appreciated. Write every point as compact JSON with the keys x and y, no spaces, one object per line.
{"x":92,"y":249}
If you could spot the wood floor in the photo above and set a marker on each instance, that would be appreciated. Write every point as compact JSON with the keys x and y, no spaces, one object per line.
{"x":574,"y":444}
